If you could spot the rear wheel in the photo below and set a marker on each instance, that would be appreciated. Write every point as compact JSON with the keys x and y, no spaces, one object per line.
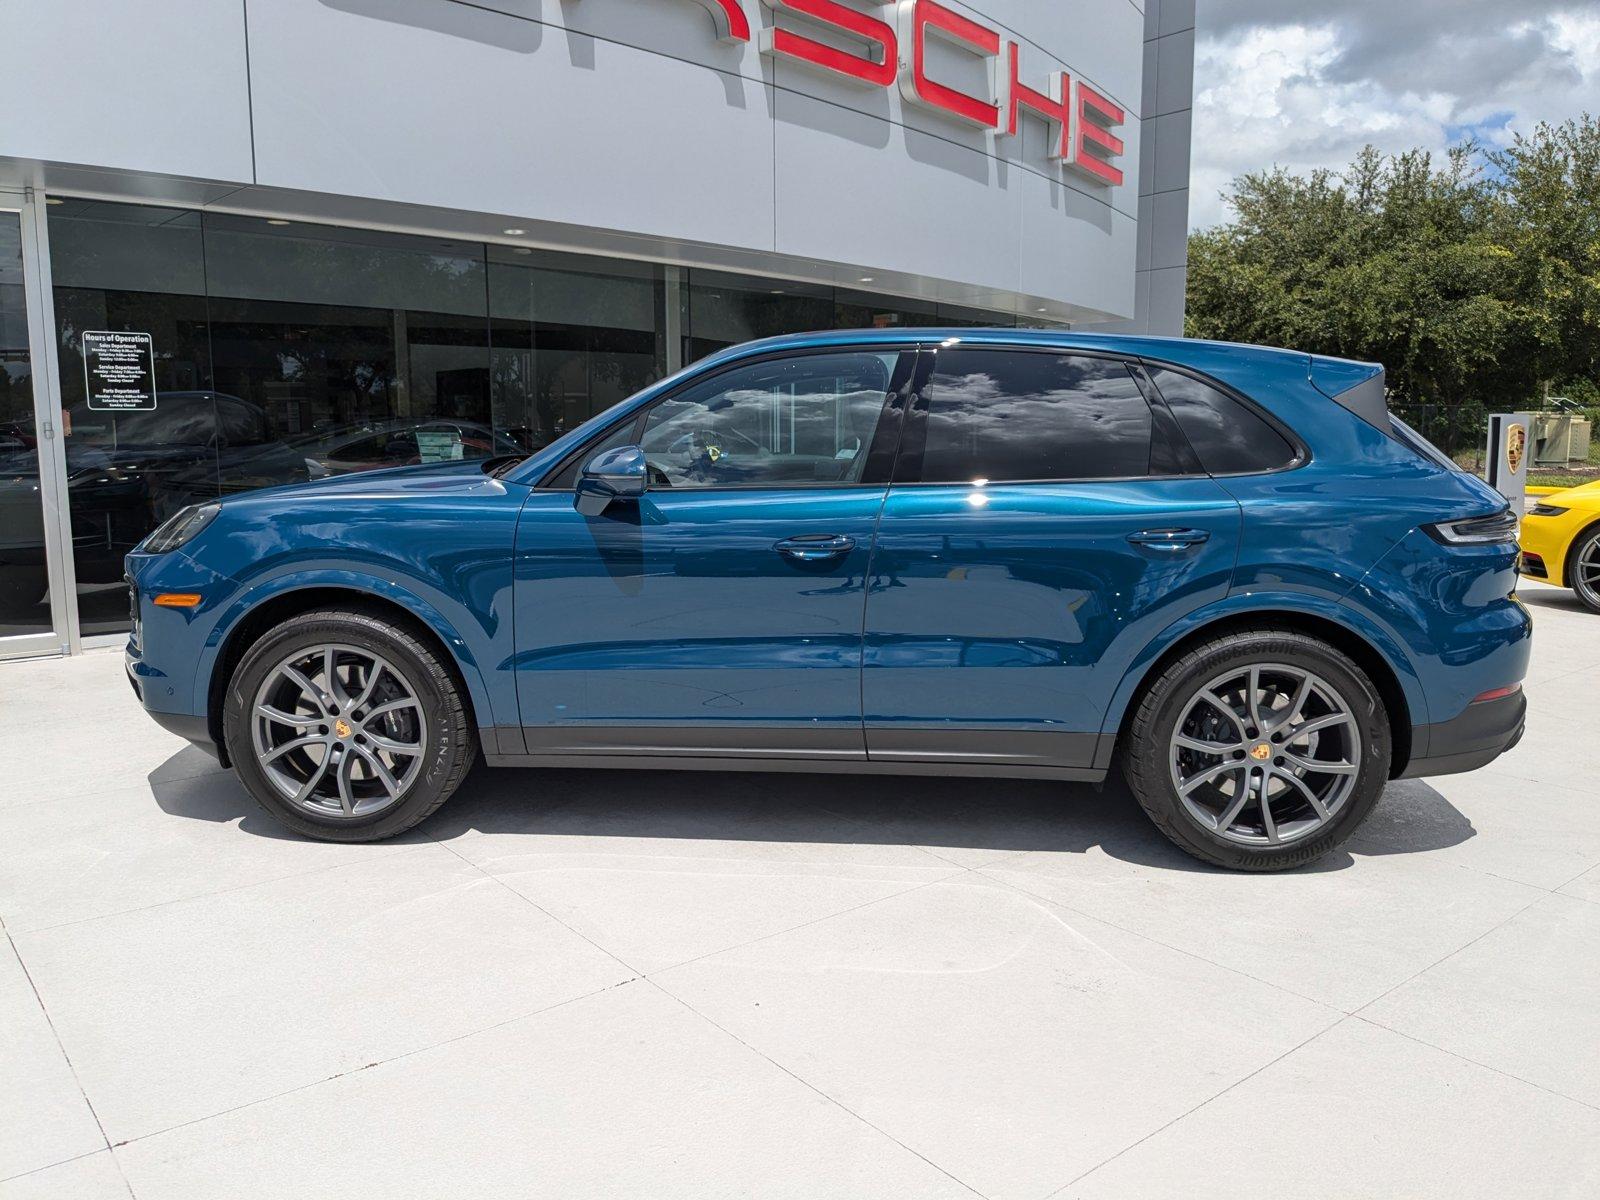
{"x":347,"y":728}
{"x":1259,"y":750}
{"x":1583,"y":568}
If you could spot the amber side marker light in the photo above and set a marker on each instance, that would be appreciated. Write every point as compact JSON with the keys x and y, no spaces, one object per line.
{"x":177,"y":600}
{"x":1496,"y":694}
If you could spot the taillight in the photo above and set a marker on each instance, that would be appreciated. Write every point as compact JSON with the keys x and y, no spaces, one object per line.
{"x":1476,"y":531}
{"x":1497,"y":693}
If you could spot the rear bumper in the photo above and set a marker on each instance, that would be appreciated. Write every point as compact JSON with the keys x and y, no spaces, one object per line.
{"x":1474,"y":739}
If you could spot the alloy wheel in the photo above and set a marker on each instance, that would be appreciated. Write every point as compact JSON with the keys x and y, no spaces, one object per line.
{"x":1266,"y":755}
{"x":1586,"y":571}
{"x":338,"y":731}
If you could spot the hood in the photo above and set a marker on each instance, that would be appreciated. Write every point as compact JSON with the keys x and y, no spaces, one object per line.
{"x":391,"y":481}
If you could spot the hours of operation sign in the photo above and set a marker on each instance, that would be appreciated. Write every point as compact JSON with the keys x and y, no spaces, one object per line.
{"x":120,"y":371}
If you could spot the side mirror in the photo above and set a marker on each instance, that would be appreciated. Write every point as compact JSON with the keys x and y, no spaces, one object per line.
{"x":619,"y":474}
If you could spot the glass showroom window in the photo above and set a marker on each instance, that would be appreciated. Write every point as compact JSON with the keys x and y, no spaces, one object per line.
{"x":725,"y":310}
{"x":24,"y":588}
{"x":134,"y":459}
{"x":572,"y":336}
{"x":279,"y":352}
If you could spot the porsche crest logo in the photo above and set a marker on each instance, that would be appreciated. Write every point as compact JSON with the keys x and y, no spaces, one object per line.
{"x":1516,"y":445}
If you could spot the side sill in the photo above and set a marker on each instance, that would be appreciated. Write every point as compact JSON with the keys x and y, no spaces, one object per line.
{"x":832,"y":766}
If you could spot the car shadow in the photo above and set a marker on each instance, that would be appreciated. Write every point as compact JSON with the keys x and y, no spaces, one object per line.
{"x":935,"y":813}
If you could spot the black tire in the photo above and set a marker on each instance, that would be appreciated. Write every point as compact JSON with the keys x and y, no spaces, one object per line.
{"x":450,"y":743}
{"x":1147,"y":750}
{"x":1588,"y":597}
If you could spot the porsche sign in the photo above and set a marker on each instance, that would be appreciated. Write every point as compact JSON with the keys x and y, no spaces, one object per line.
{"x":890,"y":50}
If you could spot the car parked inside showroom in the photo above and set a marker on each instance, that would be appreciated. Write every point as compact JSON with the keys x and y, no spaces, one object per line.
{"x":1225,"y":571}
{"x":1561,"y":541}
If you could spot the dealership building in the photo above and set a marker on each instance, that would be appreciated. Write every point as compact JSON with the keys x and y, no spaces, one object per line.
{"x":244,"y":242}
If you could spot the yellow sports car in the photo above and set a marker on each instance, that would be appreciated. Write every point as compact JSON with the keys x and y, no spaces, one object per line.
{"x":1561,"y":541}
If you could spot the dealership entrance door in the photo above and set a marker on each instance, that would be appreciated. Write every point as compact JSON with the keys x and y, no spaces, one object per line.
{"x":34,"y":592}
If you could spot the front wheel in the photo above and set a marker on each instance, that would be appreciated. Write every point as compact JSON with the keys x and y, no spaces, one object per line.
{"x":1583,"y":568}
{"x":1259,"y":751}
{"x":347,"y":728}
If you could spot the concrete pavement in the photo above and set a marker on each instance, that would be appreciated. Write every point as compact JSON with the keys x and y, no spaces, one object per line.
{"x":637,"y":984}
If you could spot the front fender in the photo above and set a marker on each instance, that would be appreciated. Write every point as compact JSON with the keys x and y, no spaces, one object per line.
{"x":1351,"y":617}
{"x":426,"y":603}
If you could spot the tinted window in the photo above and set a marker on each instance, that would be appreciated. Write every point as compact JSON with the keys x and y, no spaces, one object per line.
{"x":1007,"y":415}
{"x":797,"y":421}
{"x":1228,"y":437}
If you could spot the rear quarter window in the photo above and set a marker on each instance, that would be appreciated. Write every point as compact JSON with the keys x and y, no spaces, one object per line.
{"x":1229,"y":437}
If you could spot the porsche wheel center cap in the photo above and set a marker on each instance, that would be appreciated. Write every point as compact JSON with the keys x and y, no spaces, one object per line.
{"x":1261,"y":751}
{"x":342,"y":727}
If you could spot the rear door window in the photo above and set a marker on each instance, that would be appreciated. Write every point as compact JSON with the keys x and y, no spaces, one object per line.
{"x":1028,"y":416}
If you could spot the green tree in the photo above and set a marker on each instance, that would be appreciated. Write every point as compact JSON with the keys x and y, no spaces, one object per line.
{"x":1474,"y":281}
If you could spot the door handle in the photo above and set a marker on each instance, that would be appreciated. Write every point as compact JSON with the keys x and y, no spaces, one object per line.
{"x":815,"y":547}
{"x":1169,"y":540}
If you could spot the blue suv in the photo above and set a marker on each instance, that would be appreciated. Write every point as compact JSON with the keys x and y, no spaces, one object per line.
{"x":1226,"y":570}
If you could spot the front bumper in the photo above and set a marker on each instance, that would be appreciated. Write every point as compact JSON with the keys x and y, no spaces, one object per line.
{"x":1544,"y":542}
{"x":1474,"y":739}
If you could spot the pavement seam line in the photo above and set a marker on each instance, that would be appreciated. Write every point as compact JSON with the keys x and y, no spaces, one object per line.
{"x":806,"y":1083}
{"x":382,"y":1062}
{"x":1540,"y":898}
{"x":1190,"y":1112}
{"x":65,"y":1057}
{"x":1504,"y":1074}
{"x":629,"y":967}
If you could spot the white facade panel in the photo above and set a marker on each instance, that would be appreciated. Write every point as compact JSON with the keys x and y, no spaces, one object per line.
{"x":133,"y":87}
{"x":1073,"y":245}
{"x":489,"y":114}
{"x":943,"y":207}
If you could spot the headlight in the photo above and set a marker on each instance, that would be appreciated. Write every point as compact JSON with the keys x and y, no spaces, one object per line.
{"x":179,"y":528}
{"x":1476,"y":531}
{"x":1546,"y":510}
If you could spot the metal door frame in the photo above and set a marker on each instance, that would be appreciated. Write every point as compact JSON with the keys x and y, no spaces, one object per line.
{"x":39,"y":301}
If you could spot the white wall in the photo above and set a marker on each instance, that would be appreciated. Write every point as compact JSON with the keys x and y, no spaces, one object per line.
{"x":619,"y":115}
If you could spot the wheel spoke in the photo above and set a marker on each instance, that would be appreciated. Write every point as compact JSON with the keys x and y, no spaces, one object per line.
{"x":383,"y":773}
{"x":1204,"y":747}
{"x":374,"y":673}
{"x":1317,"y":765}
{"x":1194,"y":781}
{"x":330,"y":671}
{"x":277,"y":752}
{"x":311,"y":691}
{"x":1231,"y":813}
{"x":1267,"y":823}
{"x":1292,"y":713}
{"x":1321,"y":723}
{"x":393,"y":747}
{"x":316,"y":777}
{"x":341,"y":776}
{"x":392,"y":706}
{"x":280,"y":717}
{"x":1252,"y":702}
{"x":1294,"y":780}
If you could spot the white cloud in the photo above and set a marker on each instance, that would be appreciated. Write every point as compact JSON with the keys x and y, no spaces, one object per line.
{"x":1306,"y":87}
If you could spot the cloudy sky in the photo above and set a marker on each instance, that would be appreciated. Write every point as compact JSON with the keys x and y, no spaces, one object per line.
{"x":1307,"y":83}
